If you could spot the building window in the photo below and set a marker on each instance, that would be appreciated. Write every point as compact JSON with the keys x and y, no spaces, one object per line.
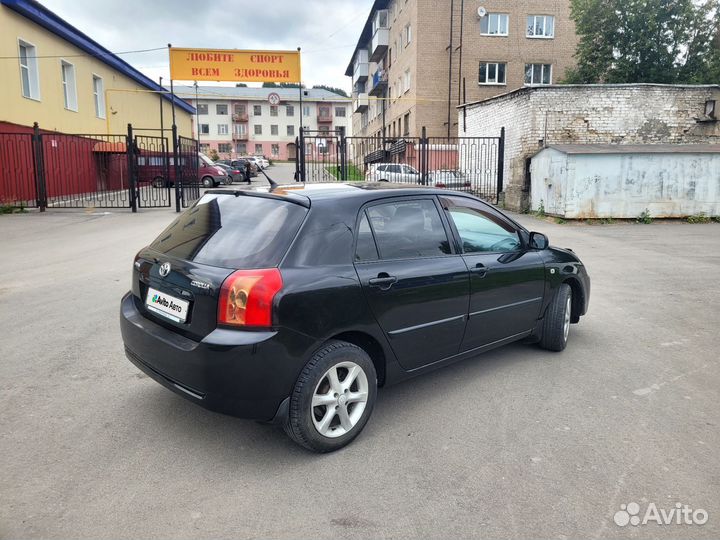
{"x":273,"y":110}
{"x":240,"y":129}
{"x":99,"y":96}
{"x":340,"y":111}
{"x":69,"y":86}
{"x":494,"y":24}
{"x":241,"y":148}
{"x":407,"y":34}
{"x":29,"y":70}
{"x":258,"y":149}
{"x":306,"y":110}
{"x":257,"y":110}
{"x":406,"y":81}
{"x":275,"y":150}
{"x":291,"y":131}
{"x":202,"y":108}
{"x":258,"y":129}
{"x":541,"y":26}
{"x":538,"y":74}
{"x":289,"y":110}
{"x":224,"y":148}
{"x":204,"y":148}
{"x":406,"y":125}
{"x":221,"y":109}
{"x":324,"y":129}
{"x":274,"y":129}
{"x":204,"y":129}
{"x":240,"y":108}
{"x":492,"y":73}
{"x":223,"y":129}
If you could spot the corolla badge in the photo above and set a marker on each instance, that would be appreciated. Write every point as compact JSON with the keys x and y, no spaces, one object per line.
{"x":164,"y":269}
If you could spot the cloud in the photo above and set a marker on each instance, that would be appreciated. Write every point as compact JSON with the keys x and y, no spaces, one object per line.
{"x":326,"y":30}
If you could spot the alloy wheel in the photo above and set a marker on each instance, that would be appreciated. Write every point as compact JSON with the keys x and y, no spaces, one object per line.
{"x":339,"y":399}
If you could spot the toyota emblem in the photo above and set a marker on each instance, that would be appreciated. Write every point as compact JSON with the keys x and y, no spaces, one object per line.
{"x":164,"y":269}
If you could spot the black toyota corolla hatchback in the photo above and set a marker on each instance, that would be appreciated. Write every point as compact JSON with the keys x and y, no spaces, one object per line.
{"x":294,"y":305}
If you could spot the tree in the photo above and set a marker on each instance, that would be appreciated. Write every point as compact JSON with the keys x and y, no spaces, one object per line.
{"x":332,"y":89}
{"x":281,"y":85}
{"x":636,"y":41}
{"x":213,"y":154}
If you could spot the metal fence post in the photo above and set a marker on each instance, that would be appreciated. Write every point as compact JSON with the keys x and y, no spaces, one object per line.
{"x":131,"y":168}
{"x":424,"y":156}
{"x":501,"y":164}
{"x":176,"y":167}
{"x":40,"y":181}
{"x":343,"y":158}
{"x":302,"y":155}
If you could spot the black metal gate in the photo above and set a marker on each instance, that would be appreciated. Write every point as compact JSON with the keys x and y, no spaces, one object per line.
{"x":186,"y":162}
{"x":151,"y":173}
{"x":471,"y":164}
{"x":61,"y":170}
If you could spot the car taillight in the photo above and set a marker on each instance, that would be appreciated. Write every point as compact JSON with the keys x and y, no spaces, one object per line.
{"x":439,"y":184}
{"x":246,"y":297}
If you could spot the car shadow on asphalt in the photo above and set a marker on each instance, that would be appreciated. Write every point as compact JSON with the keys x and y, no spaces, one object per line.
{"x":224,"y":439}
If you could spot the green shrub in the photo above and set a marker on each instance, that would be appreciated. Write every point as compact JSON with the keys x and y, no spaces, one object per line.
{"x":644,"y":217}
{"x":698,"y":218}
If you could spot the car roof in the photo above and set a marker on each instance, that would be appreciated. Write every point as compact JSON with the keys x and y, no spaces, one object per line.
{"x":341,"y":190}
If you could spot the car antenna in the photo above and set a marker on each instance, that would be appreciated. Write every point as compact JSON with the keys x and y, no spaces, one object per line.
{"x":273,"y":183}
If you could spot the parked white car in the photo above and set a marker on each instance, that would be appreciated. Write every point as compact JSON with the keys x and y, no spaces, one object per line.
{"x":448,"y":178}
{"x":392,"y":172}
{"x":261,"y":162}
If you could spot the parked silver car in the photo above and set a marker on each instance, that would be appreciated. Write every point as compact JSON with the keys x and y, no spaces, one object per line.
{"x":392,"y":172}
{"x":448,"y":178}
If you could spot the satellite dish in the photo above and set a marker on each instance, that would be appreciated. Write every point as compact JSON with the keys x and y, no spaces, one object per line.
{"x":481,"y":12}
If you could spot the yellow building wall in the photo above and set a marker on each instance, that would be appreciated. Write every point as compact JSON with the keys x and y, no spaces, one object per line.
{"x":125,"y":100}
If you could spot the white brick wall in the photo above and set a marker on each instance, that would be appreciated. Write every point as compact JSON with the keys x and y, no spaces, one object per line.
{"x":590,"y":114}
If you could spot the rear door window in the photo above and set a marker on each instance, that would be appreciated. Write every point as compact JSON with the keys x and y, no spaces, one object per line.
{"x":365,"y":249}
{"x":233,"y":232}
{"x":408,"y":229}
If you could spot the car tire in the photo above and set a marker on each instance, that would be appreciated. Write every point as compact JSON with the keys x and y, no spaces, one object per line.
{"x":319,"y":418}
{"x":207,"y":182}
{"x":556,"y":323}
{"x":158,"y":182}
{"x":228,"y":181}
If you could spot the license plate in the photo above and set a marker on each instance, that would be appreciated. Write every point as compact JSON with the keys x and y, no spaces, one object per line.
{"x":166,"y":305}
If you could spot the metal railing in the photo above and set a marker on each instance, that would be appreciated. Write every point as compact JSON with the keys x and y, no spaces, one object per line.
{"x":470,"y":164}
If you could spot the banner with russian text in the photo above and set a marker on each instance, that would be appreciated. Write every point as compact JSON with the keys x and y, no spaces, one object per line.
{"x":234,"y":65}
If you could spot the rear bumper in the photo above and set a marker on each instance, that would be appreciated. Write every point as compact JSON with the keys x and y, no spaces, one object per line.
{"x":241,"y":373}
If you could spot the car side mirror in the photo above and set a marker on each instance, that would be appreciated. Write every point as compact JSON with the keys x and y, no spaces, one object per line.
{"x":538,"y":241}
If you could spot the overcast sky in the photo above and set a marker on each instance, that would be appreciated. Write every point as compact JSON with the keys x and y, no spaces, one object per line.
{"x":327,"y":30}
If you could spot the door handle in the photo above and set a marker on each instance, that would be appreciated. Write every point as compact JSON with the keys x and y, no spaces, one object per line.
{"x":480,"y":269}
{"x":384,"y":281}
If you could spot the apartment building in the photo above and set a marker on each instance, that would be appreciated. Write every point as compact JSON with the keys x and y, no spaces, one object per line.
{"x":237,"y":121}
{"x":57,"y":76}
{"x":416,"y":60}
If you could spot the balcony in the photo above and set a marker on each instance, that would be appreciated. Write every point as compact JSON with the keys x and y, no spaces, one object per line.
{"x":240,"y":117}
{"x":240,"y":136}
{"x":361,"y":70}
{"x":324,"y":116}
{"x":379,"y":83}
{"x":360,"y":103}
{"x":381,"y":36}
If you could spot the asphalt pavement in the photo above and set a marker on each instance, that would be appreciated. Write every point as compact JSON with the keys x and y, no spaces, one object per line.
{"x":515,"y":443}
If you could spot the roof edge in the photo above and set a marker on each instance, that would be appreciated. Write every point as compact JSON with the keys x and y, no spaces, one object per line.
{"x":528,"y":89}
{"x":42,"y":16}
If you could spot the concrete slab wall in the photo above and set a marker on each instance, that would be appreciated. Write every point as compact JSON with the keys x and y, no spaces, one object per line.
{"x":581,"y":186}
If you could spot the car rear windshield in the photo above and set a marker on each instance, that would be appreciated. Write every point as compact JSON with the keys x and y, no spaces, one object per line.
{"x":233,"y":232}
